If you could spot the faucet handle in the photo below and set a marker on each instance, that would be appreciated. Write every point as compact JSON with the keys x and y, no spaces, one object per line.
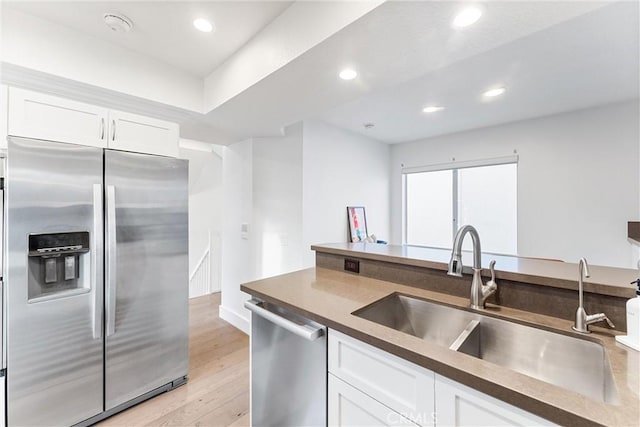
{"x":492,"y":265}
{"x":600,"y":317}
{"x":491,"y":287}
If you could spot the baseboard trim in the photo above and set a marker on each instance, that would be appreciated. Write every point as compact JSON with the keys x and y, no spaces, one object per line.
{"x":235,"y":319}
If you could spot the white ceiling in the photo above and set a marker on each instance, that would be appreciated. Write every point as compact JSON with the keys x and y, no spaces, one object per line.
{"x":396,"y":43}
{"x":553,"y":56}
{"x":590,"y":60}
{"x":163,"y":30}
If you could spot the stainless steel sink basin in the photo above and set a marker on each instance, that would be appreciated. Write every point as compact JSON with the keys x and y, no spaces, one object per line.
{"x":573,"y":363}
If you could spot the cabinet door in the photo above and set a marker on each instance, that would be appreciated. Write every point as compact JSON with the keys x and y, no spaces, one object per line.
{"x":40,"y":116}
{"x":131,"y":132}
{"x":348,"y":406}
{"x":459,"y":405}
{"x":401,"y":385}
{"x":4,"y":100}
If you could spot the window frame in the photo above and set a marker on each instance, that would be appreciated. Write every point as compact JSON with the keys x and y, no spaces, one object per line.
{"x":453,"y":166}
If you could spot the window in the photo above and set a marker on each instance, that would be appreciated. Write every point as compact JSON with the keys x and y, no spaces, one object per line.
{"x":438,"y":200}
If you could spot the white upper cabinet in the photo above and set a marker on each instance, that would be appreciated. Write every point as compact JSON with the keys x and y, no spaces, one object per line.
{"x":131,"y":132}
{"x":41,"y":116}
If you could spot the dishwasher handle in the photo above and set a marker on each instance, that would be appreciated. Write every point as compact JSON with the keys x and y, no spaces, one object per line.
{"x":311,"y":331}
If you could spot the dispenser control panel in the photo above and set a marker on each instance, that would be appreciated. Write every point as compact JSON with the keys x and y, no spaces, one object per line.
{"x":55,"y":262}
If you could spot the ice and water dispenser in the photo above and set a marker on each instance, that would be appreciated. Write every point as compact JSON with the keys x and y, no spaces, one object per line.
{"x":57,"y":263}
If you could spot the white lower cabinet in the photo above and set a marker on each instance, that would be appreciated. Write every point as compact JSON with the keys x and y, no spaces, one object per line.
{"x":459,"y":405}
{"x":348,"y":406}
{"x":371,"y":387}
{"x":401,"y":386}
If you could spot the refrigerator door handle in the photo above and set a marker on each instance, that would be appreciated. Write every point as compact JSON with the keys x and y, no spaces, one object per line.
{"x":111,"y":260}
{"x":96,"y":257}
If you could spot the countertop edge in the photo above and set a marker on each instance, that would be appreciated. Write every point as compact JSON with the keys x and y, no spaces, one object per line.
{"x":592,"y":285}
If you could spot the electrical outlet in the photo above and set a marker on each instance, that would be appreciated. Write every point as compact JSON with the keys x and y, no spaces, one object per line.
{"x":352,"y":265}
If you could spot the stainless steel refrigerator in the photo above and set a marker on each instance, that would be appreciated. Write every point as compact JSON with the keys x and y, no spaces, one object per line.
{"x":96,"y":280}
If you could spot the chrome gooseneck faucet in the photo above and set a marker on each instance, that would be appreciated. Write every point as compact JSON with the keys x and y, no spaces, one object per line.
{"x":583,"y":320}
{"x":479,"y":291}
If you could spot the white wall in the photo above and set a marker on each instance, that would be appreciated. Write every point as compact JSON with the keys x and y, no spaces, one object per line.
{"x":35,"y":43}
{"x":205,"y":211}
{"x":262,"y":179}
{"x":237,"y":266}
{"x":341,"y":169}
{"x":293,"y":191}
{"x":4,"y":113}
{"x":577,"y":179}
{"x":277,"y":203}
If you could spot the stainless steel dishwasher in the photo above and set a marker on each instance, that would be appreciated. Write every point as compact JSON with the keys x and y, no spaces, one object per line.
{"x":288,"y":368}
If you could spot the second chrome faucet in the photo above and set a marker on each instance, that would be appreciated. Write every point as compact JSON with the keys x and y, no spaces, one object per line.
{"x":583,"y":320}
{"x":479,"y":291}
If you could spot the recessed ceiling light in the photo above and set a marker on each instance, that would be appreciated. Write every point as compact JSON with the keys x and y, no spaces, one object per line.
{"x":494,"y":92}
{"x":432,"y":109}
{"x":467,"y":16}
{"x":203,"y":25}
{"x":348,"y":74}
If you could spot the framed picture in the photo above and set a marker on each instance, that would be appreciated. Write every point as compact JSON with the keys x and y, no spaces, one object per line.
{"x":357,"y":223}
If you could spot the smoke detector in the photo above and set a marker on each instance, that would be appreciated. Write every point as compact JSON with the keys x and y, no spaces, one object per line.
{"x":118,"y":23}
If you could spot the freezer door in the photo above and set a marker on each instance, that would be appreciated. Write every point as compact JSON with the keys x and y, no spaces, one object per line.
{"x":146,"y":273}
{"x":54,"y":339}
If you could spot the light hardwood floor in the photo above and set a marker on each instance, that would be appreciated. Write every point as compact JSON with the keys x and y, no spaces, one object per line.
{"x":217,"y":393}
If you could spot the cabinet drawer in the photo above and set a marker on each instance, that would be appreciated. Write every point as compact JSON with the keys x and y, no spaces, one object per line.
{"x":458,"y":405}
{"x":402,"y":386}
{"x":348,"y":406}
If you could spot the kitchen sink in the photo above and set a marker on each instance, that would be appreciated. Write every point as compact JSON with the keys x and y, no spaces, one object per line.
{"x":569,"y":362}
